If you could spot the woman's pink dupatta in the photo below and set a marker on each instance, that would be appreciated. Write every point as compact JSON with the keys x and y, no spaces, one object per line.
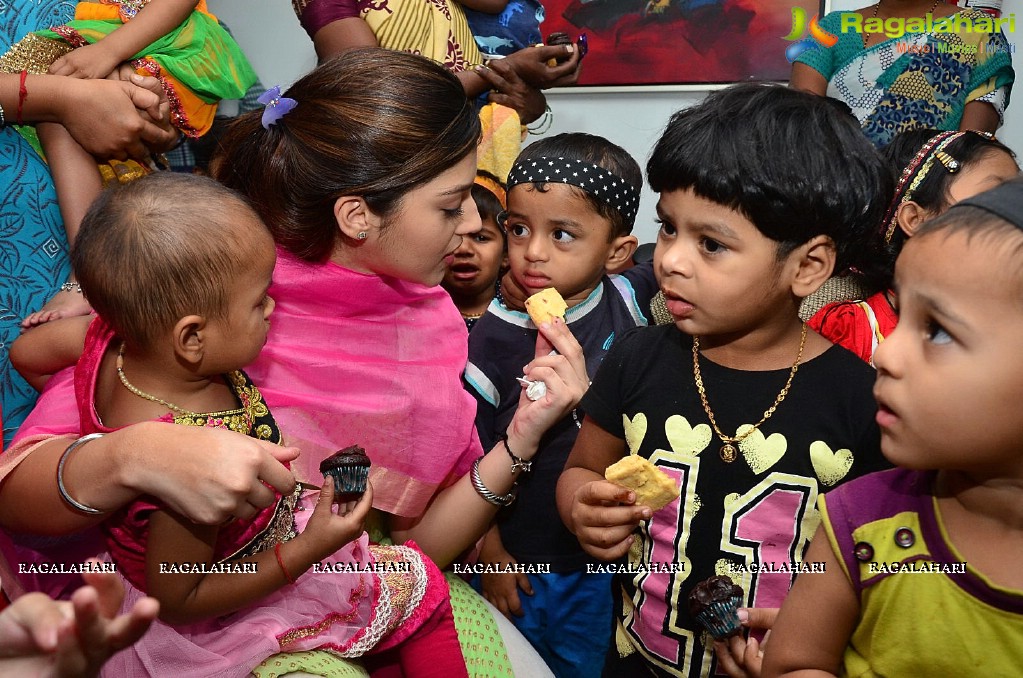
{"x":350,"y":359}
{"x":361,"y":359}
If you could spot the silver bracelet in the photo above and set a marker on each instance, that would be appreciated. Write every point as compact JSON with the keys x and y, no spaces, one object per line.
{"x":484,"y":491}
{"x":71,"y":501}
{"x":3,"y":121}
{"x":71,"y":287}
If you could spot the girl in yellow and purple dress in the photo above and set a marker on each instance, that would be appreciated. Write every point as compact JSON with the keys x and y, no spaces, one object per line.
{"x":177,"y":41}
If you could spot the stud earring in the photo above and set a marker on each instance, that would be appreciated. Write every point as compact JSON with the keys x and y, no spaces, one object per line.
{"x":362,"y":235}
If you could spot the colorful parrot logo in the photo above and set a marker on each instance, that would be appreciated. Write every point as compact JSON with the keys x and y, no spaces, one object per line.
{"x":818,"y":36}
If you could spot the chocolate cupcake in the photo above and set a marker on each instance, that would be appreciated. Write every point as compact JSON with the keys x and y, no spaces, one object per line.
{"x":349,"y":468}
{"x":715,"y":603}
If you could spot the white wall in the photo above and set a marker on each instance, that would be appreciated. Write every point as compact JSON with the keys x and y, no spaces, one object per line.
{"x":280,"y":51}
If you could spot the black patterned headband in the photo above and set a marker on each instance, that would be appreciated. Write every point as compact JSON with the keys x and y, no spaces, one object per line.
{"x":602,"y":184}
{"x":1005,"y":201}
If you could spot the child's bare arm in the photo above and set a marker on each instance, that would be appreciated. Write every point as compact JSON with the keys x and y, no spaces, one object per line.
{"x":42,"y":351}
{"x":600,"y":514}
{"x":485,"y":6}
{"x":98,"y":60}
{"x":816,"y":620}
{"x":502,"y":588}
{"x":187,"y":597}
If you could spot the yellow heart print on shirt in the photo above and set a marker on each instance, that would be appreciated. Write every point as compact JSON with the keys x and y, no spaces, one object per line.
{"x":683,"y":438}
{"x":761,"y":453}
{"x":830,"y":466}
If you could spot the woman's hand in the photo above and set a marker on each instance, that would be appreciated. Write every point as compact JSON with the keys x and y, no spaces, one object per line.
{"x":512,"y":91}
{"x":560,"y":364}
{"x":208,"y":475}
{"x":329,"y":531}
{"x":531,"y":64}
{"x":43,"y":637}
{"x":132,"y":116}
{"x":163,"y":134}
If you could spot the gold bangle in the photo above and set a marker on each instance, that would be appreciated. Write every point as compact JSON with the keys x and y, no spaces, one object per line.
{"x":71,"y":501}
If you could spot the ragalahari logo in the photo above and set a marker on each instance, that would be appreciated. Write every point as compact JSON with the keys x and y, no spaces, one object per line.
{"x":818,"y":36}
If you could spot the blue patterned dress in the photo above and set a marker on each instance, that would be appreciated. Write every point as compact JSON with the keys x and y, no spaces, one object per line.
{"x":33,"y":245}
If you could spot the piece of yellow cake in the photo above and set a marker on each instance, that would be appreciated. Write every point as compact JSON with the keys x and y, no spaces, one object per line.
{"x":653,"y":487}
{"x":545,"y":306}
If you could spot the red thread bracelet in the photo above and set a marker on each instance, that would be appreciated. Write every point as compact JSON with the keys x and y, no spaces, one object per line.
{"x":280,"y":561}
{"x":22,"y":95}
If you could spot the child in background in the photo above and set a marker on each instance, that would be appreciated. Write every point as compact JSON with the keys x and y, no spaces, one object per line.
{"x":938,"y":539}
{"x":473,"y":279}
{"x":572,"y":202}
{"x":934,"y":170}
{"x":178,"y":41}
{"x":504,"y":27}
{"x":752,"y":415}
{"x":178,"y":268}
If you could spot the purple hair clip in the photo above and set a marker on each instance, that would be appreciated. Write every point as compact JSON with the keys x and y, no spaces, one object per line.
{"x":276,"y":105}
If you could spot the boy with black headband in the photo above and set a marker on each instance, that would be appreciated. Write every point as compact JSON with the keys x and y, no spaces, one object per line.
{"x":764,"y":191}
{"x":572,"y":202}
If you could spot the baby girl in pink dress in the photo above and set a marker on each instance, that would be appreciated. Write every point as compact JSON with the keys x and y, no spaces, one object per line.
{"x":181,"y":310}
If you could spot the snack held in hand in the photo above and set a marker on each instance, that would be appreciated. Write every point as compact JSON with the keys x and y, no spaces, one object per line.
{"x":545,"y":306}
{"x":653,"y":487}
{"x":715,"y":603}
{"x":349,"y":468}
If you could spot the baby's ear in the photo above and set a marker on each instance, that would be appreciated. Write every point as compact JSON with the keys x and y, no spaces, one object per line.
{"x":189,"y":342}
{"x":620,"y":253}
{"x":814,"y":263}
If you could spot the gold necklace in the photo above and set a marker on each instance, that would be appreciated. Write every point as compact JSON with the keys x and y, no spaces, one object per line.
{"x":142,"y":394}
{"x":877,"y":6}
{"x":728,"y":451}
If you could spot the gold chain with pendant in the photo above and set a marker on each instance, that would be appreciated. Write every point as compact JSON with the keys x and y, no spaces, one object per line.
{"x":728,"y":451}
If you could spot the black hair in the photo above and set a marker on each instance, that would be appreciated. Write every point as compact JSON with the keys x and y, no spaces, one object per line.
{"x":598,"y":151}
{"x":795,"y":164}
{"x":876,"y":265}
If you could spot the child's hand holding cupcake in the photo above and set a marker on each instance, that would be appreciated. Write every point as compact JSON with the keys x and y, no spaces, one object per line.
{"x":328,"y":531}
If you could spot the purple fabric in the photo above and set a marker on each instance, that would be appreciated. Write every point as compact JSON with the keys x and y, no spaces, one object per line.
{"x":318,"y":13}
{"x":884,"y":494}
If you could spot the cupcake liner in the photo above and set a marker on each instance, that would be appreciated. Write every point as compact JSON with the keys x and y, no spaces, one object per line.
{"x":349,"y":481}
{"x":721,"y":618}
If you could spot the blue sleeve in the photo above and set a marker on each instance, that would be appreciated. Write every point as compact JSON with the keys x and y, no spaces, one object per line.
{"x":644,"y":286}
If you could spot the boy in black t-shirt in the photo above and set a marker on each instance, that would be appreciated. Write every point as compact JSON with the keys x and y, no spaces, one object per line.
{"x":752,"y":414}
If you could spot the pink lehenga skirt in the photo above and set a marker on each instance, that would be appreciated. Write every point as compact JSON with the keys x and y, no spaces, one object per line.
{"x":349,"y":613}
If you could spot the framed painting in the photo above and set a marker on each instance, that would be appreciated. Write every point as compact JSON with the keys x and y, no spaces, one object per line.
{"x":695,"y":43}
